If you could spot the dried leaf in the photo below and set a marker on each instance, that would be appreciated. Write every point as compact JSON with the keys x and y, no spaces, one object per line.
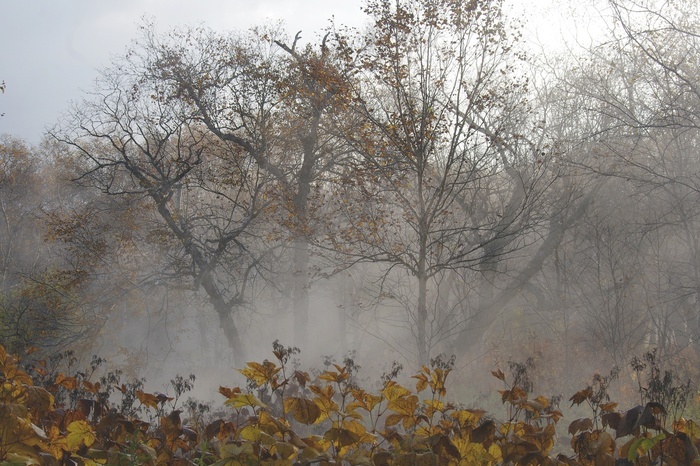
{"x":580,"y":425}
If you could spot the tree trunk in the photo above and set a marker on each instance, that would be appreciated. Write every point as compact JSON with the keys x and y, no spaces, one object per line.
{"x":422,"y":320}
{"x":300,"y":292}
{"x":225,"y":312}
{"x":231,"y":332}
{"x":422,"y":305}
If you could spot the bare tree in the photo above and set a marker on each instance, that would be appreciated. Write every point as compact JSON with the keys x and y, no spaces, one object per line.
{"x":445,"y":179}
{"x":634,"y":104}
{"x":275,"y":100}
{"x":134,"y":141}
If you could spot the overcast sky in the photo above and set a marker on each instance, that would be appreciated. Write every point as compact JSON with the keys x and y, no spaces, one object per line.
{"x":50,"y":50}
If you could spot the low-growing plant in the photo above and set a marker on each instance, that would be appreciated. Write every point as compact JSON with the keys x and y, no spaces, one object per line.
{"x":284,"y":416}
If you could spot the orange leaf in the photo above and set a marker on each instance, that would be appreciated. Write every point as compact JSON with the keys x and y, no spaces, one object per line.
{"x":69,"y":383}
{"x":229,"y":392}
{"x":147,"y":399}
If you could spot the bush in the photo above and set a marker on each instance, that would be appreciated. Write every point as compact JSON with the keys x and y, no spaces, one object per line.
{"x":284,"y":416}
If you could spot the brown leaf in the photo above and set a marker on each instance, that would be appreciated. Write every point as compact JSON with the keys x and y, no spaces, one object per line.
{"x":656,"y":408}
{"x":147,"y":399}
{"x":229,"y":392}
{"x":170,"y":424}
{"x":302,"y":378}
{"x":304,"y":410}
{"x":580,"y":425}
{"x":39,"y":400}
{"x":628,"y":422}
{"x":91,"y":387}
{"x":581,"y":396}
{"x":343,"y":437}
{"x":89,"y":407}
{"x":443,"y":446}
{"x":382,"y":458}
{"x":485,"y":432}
{"x":608,"y":407}
{"x":69,"y":383}
{"x":611,"y":420}
{"x":212,"y":429}
{"x":592,"y":443}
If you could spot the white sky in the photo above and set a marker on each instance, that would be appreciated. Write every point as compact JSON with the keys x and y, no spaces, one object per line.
{"x":50,"y":50}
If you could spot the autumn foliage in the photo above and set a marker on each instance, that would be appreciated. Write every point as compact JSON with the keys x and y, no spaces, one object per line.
{"x":285,"y":416}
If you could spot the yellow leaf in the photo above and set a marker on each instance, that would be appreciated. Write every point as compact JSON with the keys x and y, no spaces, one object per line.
{"x":327,"y":407}
{"x":688,"y":427}
{"x":89,"y":461}
{"x":147,"y":399}
{"x":436,"y":405}
{"x":304,"y":410}
{"x":360,"y":430}
{"x":79,"y":433}
{"x":406,"y":406}
{"x":231,"y":450}
{"x":241,"y":400}
{"x":285,"y":450}
{"x":422,"y":382}
{"x":98,"y":456}
{"x":309,"y":454}
{"x":363,"y":400}
{"x":468,"y":417}
{"x":255,"y":435}
{"x":393,"y":419}
{"x":393,"y":391}
{"x":250,"y":433}
{"x":260,"y":373}
{"x":269,"y":424}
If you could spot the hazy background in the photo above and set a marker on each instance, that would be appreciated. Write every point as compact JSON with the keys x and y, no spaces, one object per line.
{"x":51,"y":54}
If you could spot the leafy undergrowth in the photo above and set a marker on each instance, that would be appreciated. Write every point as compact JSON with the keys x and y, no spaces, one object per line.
{"x":285,"y":416}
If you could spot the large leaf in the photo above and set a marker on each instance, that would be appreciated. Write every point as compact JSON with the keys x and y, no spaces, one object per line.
{"x":79,"y":433}
{"x":642,"y":445}
{"x":468,"y":417}
{"x":303,"y":410}
{"x":260,"y":373}
{"x":343,"y":437}
{"x":19,"y":436}
{"x":580,"y":425}
{"x":393,"y":391}
{"x":241,"y":400}
{"x":39,"y":400}
{"x":405,"y":405}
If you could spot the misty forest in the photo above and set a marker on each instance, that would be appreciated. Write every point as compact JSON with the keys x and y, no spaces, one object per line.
{"x":363,"y":211}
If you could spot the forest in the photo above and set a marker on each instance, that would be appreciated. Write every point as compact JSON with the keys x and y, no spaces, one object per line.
{"x":430,"y":192}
